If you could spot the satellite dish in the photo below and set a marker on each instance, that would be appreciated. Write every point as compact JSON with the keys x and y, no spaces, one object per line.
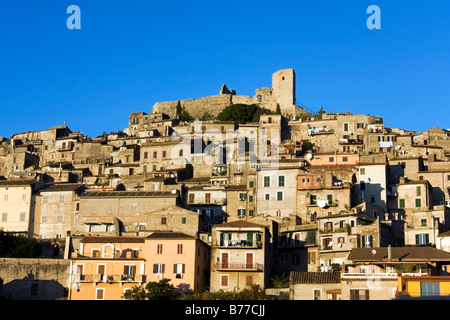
{"x":374,"y":251}
{"x":174,"y":191}
{"x":309,"y":156}
{"x":135,"y":224}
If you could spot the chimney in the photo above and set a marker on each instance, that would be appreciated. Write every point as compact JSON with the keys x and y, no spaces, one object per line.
{"x":389,"y":253}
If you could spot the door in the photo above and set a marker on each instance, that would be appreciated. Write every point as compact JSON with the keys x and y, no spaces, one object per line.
{"x":249,"y":260}
{"x":225,"y":259}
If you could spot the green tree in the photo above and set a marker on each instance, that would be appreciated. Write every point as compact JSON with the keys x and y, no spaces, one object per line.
{"x":278,"y":110}
{"x":242,"y":113}
{"x":12,"y":246}
{"x":161,"y":290}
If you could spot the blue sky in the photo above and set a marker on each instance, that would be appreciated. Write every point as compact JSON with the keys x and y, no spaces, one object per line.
{"x":129,"y":55}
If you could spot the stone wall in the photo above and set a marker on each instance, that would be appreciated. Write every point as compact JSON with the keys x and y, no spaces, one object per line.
{"x":34,"y":279}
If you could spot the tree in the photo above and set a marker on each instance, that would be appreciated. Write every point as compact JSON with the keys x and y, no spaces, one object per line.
{"x":242,"y":113}
{"x":161,"y":290}
{"x":182,"y":114}
{"x":278,"y":110}
{"x":12,"y":246}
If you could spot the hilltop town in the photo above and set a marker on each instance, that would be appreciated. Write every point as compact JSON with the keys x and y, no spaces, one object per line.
{"x":333,"y":205}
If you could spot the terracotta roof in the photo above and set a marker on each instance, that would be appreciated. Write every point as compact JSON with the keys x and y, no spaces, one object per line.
{"x":399,"y":254}
{"x":170,"y":235}
{"x":128,"y":194}
{"x":112,"y":239}
{"x":315,"y":277}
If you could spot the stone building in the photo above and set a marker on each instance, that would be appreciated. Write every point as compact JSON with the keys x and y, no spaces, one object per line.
{"x":119,"y":212}
{"x":56,"y":207}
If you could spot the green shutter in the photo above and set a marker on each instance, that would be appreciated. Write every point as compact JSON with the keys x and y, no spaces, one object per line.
{"x":402,"y":203}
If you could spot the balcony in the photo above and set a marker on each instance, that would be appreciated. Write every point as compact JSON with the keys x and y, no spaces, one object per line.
{"x":350,"y":141}
{"x":107,"y":278}
{"x":238,"y":266}
{"x":239,"y":244}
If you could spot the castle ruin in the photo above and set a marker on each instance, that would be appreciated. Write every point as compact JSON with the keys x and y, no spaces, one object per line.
{"x":282,"y":93}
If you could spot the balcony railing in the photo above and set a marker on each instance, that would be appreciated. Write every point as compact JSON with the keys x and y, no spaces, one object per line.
{"x":107,"y":278}
{"x":237,"y":266}
{"x":239,"y":244}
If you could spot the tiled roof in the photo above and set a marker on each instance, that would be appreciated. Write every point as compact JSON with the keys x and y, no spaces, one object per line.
{"x":315,"y":277}
{"x":170,"y":235}
{"x":112,"y":239}
{"x":128,"y":194}
{"x":399,"y":254}
{"x":13,"y":183}
{"x":61,"y":187}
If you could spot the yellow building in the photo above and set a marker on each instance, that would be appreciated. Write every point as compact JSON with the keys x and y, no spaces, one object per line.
{"x":424,"y":286}
{"x":106,"y":267}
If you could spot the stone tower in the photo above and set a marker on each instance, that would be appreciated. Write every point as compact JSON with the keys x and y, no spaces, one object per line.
{"x":283,"y":85}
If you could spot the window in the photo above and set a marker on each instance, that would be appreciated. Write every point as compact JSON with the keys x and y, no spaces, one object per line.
{"x":313,"y":199}
{"x":159,"y":249}
{"x":241,"y":212}
{"x":317,"y":293}
{"x":418,"y":191}
{"x":346,"y":126}
{"x":362,"y":185}
{"x":280,"y":196}
{"x":281,"y":181}
{"x":164,"y":154}
{"x":251,"y":184}
{"x":179,"y":268}
{"x":367,"y":241}
{"x":305,"y":180}
{"x":250,"y":198}
{"x":242,"y":196}
{"x":224,"y":280}
{"x":100,"y":294}
{"x":22,"y":216}
{"x":181,"y":153}
{"x":422,"y":238}
{"x":267,"y":181}
{"x":59,"y":218}
{"x":359,"y":294}
{"x":430,"y":289}
{"x":267,"y":196}
{"x":145,"y":155}
{"x":4,"y":216}
{"x":93,"y":209}
{"x":330,"y":198}
{"x":180,"y":249}
{"x":423,"y":222}
{"x":163,"y":220}
{"x":312,"y":258}
{"x":402,"y":203}
{"x":110,"y":209}
{"x":6,"y":198}
{"x":418,"y":203}
{"x":24,"y":197}
{"x":126,"y":208}
{"x":362,"y":171}
{"x":45,"y":199}
{"x":345,"y":159}
{"x":331,"y":159}
{"x":44,"y":219}
{"x":155,"y":154}
{"x":250,"y":213}
{"x":249,"y":281}
{"x":183,"y":220}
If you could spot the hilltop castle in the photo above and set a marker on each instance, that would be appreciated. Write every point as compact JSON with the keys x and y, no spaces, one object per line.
{"x":282,"y":93}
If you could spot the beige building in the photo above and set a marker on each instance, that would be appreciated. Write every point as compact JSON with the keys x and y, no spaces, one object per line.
{"x":240,"y":256}
{"x":276,"y":190}
{"x":17,"y":206}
